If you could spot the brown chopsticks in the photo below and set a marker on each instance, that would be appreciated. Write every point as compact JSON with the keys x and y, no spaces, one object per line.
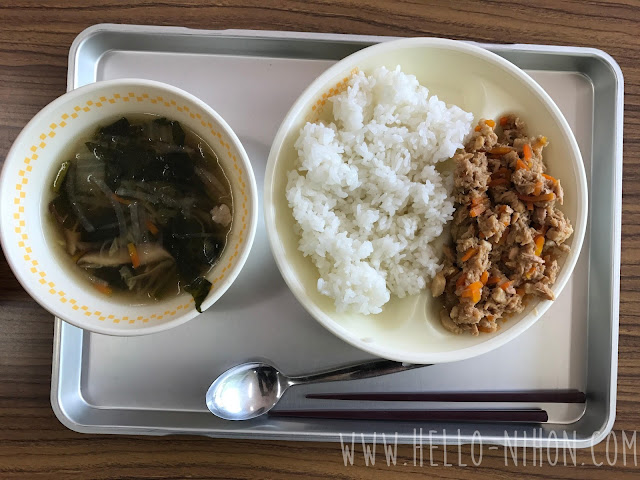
{"x":532,"y":415}
{"x":537,"y":396}
{"x":493,"y":415}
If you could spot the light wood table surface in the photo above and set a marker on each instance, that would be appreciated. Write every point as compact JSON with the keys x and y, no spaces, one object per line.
{"x":35,"y":37}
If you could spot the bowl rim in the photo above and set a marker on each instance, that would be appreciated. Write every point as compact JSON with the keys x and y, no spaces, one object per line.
{"x":223,"y":285}
{"x":288,"y":272}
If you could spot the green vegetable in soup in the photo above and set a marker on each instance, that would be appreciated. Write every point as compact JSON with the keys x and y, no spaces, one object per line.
{"x":60,"y":176}
{"x":199,"y":289}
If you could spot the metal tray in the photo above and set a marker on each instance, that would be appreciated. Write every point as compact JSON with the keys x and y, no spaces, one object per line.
{"x":156,"y":384}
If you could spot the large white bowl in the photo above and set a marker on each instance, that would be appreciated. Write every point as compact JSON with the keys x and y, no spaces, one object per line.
{"x":38,"y":262}
{"x":478,"y":81}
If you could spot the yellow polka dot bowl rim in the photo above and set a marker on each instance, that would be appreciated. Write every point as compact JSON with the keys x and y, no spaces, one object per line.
{"x":39,"y":262}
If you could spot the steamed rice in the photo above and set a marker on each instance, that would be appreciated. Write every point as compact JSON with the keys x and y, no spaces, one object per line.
{"x":366,"y":194}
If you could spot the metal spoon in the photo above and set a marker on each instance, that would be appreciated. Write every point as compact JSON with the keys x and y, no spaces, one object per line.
{"x":252,"y":389}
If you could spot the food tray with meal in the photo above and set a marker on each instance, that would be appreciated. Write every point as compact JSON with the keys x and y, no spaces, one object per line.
{"x":510,"y":249}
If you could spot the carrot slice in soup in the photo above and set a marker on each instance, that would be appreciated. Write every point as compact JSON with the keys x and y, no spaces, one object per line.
{"x":133,"y":254}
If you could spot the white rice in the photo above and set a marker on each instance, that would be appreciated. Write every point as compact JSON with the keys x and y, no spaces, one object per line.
{"x":366,"y":195}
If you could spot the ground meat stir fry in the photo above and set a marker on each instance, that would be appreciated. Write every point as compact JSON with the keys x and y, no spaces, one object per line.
{"x":507,"y":232}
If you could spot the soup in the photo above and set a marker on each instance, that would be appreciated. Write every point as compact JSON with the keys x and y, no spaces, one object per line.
{"x":143,"y":207}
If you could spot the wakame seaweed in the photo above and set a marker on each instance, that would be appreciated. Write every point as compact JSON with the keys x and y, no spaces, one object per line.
{"x":134,"y":206}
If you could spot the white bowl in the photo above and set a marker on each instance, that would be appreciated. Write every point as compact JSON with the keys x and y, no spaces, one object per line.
{"x":38,"y":262}
{"x":478,"y":81}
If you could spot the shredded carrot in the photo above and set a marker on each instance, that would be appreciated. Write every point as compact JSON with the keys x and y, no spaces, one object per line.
{"x":493,"y":280}
{"x":506,"y":284}
{"x":502,"y":208}
{"x":520,"y":291}
{"x":527,"y":152}
{"x":467,"y":293}
{"x":477,"y":210}
{"x":549,"y":177}
{"x":484,"y":277}
{"x":461,"y":279}
{"x":491,"y":318}
{"x":504,"y":120}
{"x":530,"y":272}
{"x":482,"y":235}
{"x":499,"y":181}
{"x":485,"y":329}
{"x":539,"y":241}
{"x":538,"y":198}
{"x":473,"y":291}
{"x":520,"y":164}
{"x":530,"y":206}
{"x":133,"y":254}
{"x":106,"y":289}
{"x":468,"y":254}
{"x":121,"y":200}
{"x":500,"y":150}
{"x":538,"y":188}
{"x":475,"y":286}
{"x":490,"y":123}
{"x":476,"y":201}
{"x":152,"y":228}
{"x":477,"y":294}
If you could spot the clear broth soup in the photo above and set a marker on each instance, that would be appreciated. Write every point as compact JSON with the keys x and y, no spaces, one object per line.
{"x":141,"y":207}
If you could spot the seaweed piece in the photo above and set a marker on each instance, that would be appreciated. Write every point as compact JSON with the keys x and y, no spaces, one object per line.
{"x":178,"y":166}
{"x":160,"y":131}
{"x":109,"y":155}
{"x":112,"y":174}
{"x":178,"y":133}
{"x":183,"y":239}
{"x":101,"y":151}
{"x":62,"y":211}
{"x":199,"y":289}
{"x":70,"y":189}
{"x":119,"y":127}
{"x":111,"y":275}
{"x":105,"y":222}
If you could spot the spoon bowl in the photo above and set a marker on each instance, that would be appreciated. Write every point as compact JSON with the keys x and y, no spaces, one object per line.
{"x":246,"y":391}
{"x":251,"y":389}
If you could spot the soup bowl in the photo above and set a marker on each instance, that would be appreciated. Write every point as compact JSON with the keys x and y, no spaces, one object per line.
{"x":28,"y":238}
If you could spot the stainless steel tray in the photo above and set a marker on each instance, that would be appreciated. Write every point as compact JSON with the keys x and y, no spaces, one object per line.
{"x":156,"y":384}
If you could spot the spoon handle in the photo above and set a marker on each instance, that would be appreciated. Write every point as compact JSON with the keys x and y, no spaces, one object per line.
{"x":369,"y":369}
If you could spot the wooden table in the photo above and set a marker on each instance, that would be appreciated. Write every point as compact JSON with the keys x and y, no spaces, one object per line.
{"x":34,"y":42}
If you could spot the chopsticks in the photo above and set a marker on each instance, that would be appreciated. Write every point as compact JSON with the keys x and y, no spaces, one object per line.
{"x":538,"y":396}
{"x":492,"y":415}
{"x":530,"y":415}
